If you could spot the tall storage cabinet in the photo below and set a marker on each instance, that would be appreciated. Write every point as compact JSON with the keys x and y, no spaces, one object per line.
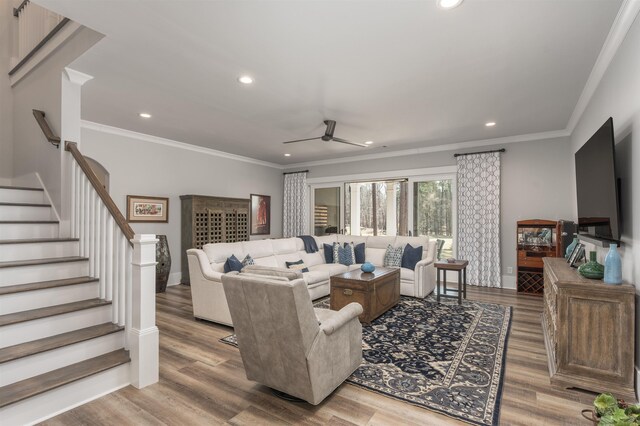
{"x":588,"y":329}
{"x":536,"y":239}
{"x":208,"y":220}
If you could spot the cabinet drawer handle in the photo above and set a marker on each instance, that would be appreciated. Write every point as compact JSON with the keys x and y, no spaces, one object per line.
{"x":347,"y":292}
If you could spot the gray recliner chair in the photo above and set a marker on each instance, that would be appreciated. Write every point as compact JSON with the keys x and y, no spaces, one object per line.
{"x":286,"y":343}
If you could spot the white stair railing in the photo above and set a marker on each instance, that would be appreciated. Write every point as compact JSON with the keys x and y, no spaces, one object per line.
{"x":35,"y":25}
{"x":123,"y":262}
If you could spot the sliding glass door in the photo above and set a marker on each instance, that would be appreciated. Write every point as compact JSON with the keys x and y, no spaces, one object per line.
{"x":433,"y":213}
{"x":326,"y":211}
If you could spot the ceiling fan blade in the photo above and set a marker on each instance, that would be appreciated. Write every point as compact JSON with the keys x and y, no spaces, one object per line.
{"x":301,"y":140}
{"x":349,"y":142}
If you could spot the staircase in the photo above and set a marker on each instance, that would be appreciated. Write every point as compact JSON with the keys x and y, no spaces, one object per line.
{"x":59,"y":346}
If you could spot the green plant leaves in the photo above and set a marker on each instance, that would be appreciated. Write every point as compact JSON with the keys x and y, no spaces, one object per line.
{"x":605,"y":403}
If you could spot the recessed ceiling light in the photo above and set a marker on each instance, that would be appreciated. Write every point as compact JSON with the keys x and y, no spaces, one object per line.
{"x":245,"y":79}
{"x":368,"y":142}
{"x":490,"y":124}
{"x":145,"y":115}
{"x":449,"y":4}
{"x":287,"y":155}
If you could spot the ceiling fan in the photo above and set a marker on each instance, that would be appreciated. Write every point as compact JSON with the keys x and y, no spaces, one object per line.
{"x":328,"y":136}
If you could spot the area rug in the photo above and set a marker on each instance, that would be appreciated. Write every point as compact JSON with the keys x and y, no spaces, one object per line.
{"x":442,"y":356}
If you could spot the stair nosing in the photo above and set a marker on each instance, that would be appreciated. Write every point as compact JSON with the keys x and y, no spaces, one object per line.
{"x":24,"y":204}
{"x":51,"y":311}
{"x":29,"y":222}
{"x":39,"y":240}
{"x":10,"y":394}
{"x":45,"y":261}
{"x":43,"y":285}
{"x":57,"y":341}
{"x":21,"y":188}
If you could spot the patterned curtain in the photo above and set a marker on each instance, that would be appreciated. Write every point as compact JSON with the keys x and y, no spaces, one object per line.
{"x":295,"y":214}
{"x":479,"y":217}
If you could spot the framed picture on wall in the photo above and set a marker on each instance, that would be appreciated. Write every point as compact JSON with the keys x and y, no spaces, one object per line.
{"x":142,"y":208}
{"x":260,"y":218}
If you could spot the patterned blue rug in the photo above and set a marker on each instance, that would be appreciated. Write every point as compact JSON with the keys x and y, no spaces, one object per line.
{"x":439,"y":356}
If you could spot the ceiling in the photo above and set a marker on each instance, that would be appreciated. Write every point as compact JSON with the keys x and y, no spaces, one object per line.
{"x":404,"y":74}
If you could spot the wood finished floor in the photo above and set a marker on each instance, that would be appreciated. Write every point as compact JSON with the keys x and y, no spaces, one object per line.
{"x":202,"y":381}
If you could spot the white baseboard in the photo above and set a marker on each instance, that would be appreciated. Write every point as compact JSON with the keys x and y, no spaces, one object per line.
{"x":509,"y":282}
{"x":174,"y":279}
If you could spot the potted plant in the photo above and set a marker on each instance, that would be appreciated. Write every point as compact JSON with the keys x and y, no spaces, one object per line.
{"x":609,"y":411}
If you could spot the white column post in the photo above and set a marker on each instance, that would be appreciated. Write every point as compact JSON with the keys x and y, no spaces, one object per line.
{"x":355,"y":209}
{"x":392,"y":228}
{"x":142,"y":331}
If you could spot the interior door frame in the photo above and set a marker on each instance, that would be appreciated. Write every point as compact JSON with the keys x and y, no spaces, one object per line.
{"x":312,"y":203}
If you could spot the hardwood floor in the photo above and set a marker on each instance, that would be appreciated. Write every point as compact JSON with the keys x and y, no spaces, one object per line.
{"x":202,"y":381}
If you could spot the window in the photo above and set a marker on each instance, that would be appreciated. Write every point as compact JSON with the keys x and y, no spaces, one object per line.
{"x":376,"y":208}
{"x":433,"y":213}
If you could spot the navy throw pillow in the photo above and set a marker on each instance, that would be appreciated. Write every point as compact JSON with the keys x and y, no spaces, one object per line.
{"x":359,"y":251}
{"x":298,"y":266}
{"x":411,"y":256}
{"x":328,"y":253}
{"x":232,"y":264}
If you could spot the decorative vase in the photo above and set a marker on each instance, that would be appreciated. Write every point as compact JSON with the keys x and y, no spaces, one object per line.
{"x":570,"y":247}
{"x":592,"y":269}
{"x":163,"y":257}
{"x":613,"y":266}
{"x":367,"y":267}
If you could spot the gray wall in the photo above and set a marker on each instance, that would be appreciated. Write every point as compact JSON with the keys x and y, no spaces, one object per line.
{"x":535,"y":183}
{"x":41,"y":89}
{"x":618,"y":96}
{"x":139,"y":167}
{"x":6,"y":97}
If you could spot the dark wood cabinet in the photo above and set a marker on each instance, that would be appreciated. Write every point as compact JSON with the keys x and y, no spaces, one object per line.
{"x":207,"y":219}
{"x":536,"y":239}
{"x":588,"y":331}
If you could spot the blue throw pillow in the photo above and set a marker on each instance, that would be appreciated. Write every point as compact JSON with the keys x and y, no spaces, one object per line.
{"x":298,"y":266}
{"x":359,"y":252}
{"x":232,"y":264}
{"x":343,"y":254}
{"x":328,"y":253}
{"x":411,"y":256}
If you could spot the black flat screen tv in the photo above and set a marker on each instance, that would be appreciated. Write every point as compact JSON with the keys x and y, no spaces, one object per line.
{"x":597,"y":189}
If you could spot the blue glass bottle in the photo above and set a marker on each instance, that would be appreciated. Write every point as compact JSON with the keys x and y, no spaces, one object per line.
{"x":570,"y":247}
{"x":613,"y":266}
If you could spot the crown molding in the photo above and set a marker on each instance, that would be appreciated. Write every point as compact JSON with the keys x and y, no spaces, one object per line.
{"x":438,"y":148}
{"x":77,"y":77}
{"x":174,"y":144}
{"x":621,"y":25}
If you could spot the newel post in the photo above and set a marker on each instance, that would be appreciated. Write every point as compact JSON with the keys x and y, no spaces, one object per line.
{"x":143,"y":333}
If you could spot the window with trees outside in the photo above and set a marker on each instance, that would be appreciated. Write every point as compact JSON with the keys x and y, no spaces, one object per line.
{"x":376,"y":208}
{"x":433,"y":213}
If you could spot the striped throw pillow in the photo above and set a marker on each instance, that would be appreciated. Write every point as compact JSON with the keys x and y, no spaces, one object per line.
{"x":393,"y":257}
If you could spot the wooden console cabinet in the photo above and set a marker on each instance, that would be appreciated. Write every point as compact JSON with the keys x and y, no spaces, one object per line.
{"x":588,"y":331}
{"x":208,"y":220}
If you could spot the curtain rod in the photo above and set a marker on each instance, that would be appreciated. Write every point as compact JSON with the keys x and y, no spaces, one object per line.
{"x":481,"y":152}
{"x":293,"y":173}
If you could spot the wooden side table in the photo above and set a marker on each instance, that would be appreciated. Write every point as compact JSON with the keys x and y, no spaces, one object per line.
{"x":460,"y":266}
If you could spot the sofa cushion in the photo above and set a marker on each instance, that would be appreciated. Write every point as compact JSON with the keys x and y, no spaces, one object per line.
{"x":218,"y":253}
{"x":232,"y":264}
{"x":269,"y":261}
{"x":407,"y":274}
{"x":392,"y":257}
{"x":315,"y":277}
{"x":311,"y":259}
{"x":257,"y":248}
{"x":359,"y":253}
{"x":330,"y":268}
{"x":381,"y":242}
{"x":375,"y":255}
{"x":343,"y":254}
{"x":411,"y":256}
{"x":248,"y":260}
{"x":297,"y":266}
{"x":273,"y":272}
{"x":287,"y":257}
{"x":327,"y":250}
{"x":284,"y":245}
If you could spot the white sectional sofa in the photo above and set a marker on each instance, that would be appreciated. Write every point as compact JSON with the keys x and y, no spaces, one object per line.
{"x":206,"y":267}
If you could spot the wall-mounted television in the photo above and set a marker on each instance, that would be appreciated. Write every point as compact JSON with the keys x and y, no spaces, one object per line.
{"x":597,"y":189}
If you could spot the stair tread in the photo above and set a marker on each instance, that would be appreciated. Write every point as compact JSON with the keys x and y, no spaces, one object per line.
{"x":23,"y":188}
{"x":20,"y":288}
{"x":45,"y":382}
{"x":25,"y":204}
{"x":33,"y":222}
{"x":58,"y":341}
{"x":38,"y":240}
{"x":49,"y":311}
{"x":46,"y":261}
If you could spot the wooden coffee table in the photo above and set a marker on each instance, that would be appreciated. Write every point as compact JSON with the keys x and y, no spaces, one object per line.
{"x":376,"y":291}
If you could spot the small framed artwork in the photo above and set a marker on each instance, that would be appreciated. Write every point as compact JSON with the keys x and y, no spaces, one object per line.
{"x":141,"y":208}
{"x":260,"y":218}
{"x":576,"y":255}
{"x":573,"y":253}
